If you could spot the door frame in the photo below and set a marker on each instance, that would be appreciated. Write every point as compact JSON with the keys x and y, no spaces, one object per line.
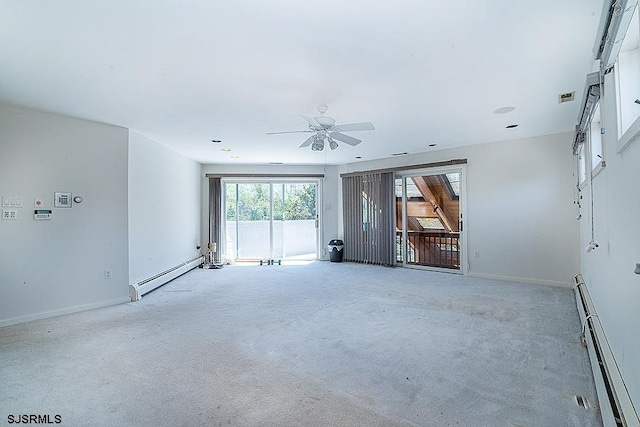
{"x":270,"y":181}
{"x":462,"y":170}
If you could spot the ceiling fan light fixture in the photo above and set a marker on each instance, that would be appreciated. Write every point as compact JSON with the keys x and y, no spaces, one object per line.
{"x":318,"y":144}
{"x":332,"y":144}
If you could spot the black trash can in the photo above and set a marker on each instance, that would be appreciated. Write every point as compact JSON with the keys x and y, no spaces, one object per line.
{"x":336,"y":250}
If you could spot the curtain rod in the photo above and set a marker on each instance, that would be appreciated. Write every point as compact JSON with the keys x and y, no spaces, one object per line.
{"x":408,"y":167}
{"x":264,"y":175}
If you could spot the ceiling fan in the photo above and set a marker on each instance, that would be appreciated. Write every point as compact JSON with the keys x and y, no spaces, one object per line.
{"x":325,"y":130}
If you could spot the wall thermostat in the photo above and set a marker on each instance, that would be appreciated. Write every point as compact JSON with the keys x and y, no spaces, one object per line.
{"x":61,"y":200}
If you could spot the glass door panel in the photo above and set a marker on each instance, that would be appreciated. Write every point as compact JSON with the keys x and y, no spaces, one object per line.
{"x":250,"y":232}
{"x":231,"y":221}
{"x":299,"y":224}
{"x":400,"y":238}
{"x":428,"y":224}
{"x":279,"y":243}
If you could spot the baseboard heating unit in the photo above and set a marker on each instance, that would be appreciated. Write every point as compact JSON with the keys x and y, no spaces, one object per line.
{"x":147,"y":285}
{"x":616,"y":406}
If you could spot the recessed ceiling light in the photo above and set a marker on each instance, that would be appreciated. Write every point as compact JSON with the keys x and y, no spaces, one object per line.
{"x":512,"y":126}
{"x":225,"y":149}
{"x":432,"y":145}
{"x":216,"y":141}
{"x":275,"y":163}
{"x":235,"y":157}
{"x":504,"y":110}
{"x":399,"y":154}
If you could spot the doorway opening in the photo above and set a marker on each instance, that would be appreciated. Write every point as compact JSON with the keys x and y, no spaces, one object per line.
{"x":429,"y":219}
{"x":270,"y":220}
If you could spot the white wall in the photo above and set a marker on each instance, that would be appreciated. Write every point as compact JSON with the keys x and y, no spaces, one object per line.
{"x":609,"y":270}
{"x":164,"y":208}
{"x":329,"y":193}
{"x":57,"y":266}
{"x":520,"y":211}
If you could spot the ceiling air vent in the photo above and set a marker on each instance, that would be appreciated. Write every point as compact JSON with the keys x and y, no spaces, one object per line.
{"x":566,"y":97}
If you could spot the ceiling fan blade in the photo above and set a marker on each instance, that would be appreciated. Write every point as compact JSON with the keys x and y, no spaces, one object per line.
{"x":307,"y":142}
{"x":345,"y":138}
{"x":313,"y":123}
{"x":290,"y":131}
{"x":351,"y":127}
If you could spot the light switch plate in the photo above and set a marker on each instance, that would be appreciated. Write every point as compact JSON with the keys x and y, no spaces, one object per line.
{"x":11,"y":202}
{"x":9,"y":214}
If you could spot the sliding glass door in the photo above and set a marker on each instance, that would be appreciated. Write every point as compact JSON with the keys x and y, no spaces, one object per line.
{"x":248,"y":214}
{"x":429,"y":220}
{"x":271,"y":220}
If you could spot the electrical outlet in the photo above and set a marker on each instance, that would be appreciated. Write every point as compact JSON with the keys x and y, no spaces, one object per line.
{"x":107,"y":274}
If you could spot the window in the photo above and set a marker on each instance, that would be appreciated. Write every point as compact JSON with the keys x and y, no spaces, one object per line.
{"x":412,"y":190}
{"x":453,"y":181}
{"x":430,"y":223}
{"x":587,"y":144}
{"x":628,"y":77}
{"x":582,"y":165}
{"x":595,"y":139}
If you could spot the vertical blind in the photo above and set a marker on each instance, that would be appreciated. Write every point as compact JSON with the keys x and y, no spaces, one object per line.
{"x":369,"y":218}
{"x":215,"y":217}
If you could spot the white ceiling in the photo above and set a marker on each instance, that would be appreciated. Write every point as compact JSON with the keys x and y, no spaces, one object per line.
{"x":185,"y":72}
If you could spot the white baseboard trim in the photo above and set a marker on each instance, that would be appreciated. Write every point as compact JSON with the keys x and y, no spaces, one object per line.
{"x":522,"y":280}
{"x":62,"y":311}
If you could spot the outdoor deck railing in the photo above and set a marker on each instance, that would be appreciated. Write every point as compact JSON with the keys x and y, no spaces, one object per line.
{"x":431,"y":248}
